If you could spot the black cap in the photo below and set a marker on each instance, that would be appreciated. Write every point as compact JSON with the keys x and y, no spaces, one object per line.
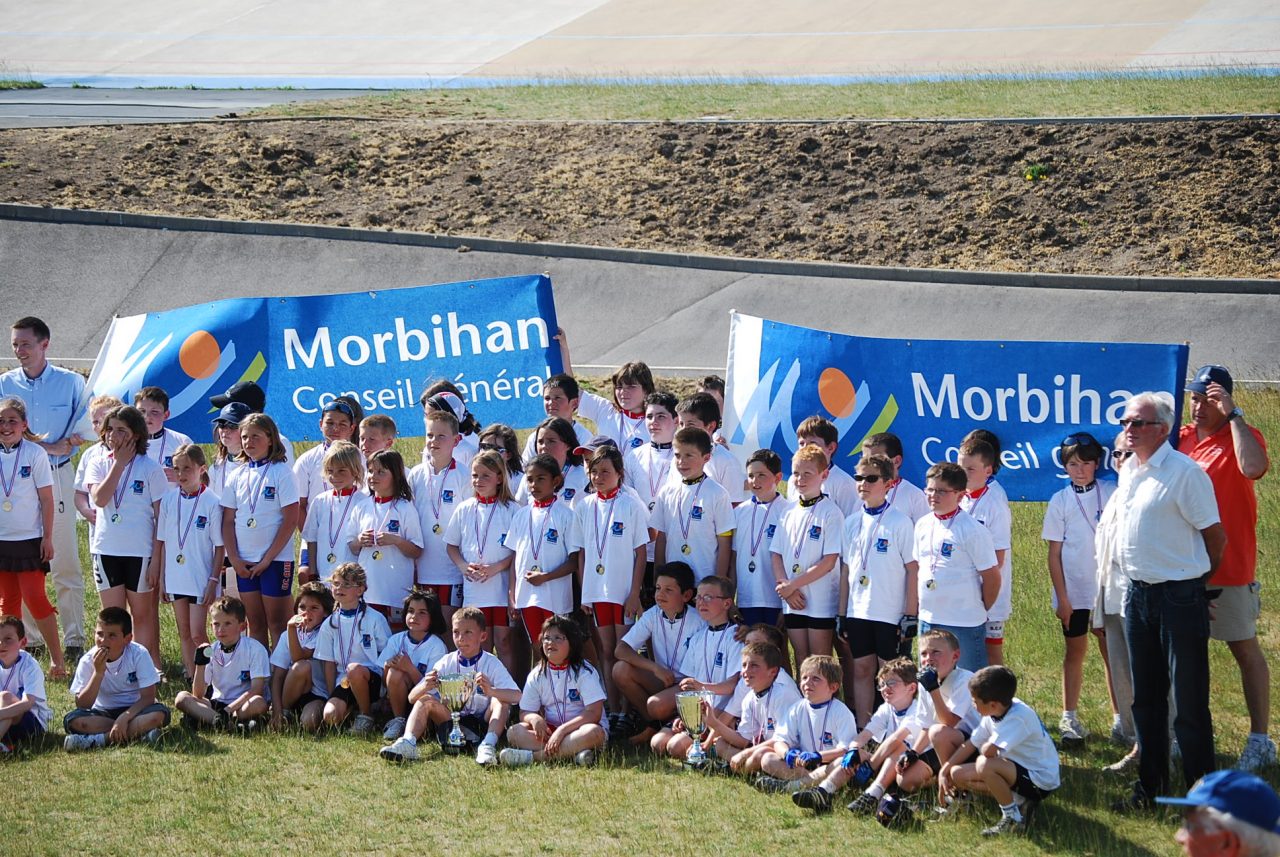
{"x":595,"y":443}
{"x":1211,"y":374}
{"x":247,"y":392}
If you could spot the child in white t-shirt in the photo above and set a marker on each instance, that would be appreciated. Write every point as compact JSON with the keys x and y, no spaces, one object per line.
{"x":439,"y":486}
{"x":349,"y":643}
{"x":153,"y":404}
{"x":333,"y":516}
{"x":622,"y":417}
{"x":946,"y":708}
{"x":230,"y":683}
{"x":755,"y":525}
{"x":337,"y":423}
{"x":389,"y":539}
{"x":903,"y":495}
{"x":99,"y":407}
{"x":764,"y":695}
{"x":814,"y":733}
{"x":297,"y":676}
{"x":410,"y":654}
{"x":556,"y":438}
{"x":700,"y":411}
{"x":986,"y":501}
{"x":562,"y":713}
{"x":24,"y":709}
{"x":543,"y":537}
{"x":560,"y":394}
{"x":693,"y":519}
{"x":839,"y":485}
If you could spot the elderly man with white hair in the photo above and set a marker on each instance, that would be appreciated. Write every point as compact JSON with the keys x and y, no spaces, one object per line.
{"x":1229,"y":813}
{"x":1168,"y":541}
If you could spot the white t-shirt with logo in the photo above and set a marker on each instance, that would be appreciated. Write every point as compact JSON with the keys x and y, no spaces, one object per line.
{"x":817,"y":728}
{"x":1021,"y":737}
{"x":805,"y":536}
{"x":333,"y":522}
{"x":1072,"y":518}
{"x":486,"y":663}
{"x":693,"y":517}
{"x":563,"y":694}
{"x":122,"y":680}
{"x":161,"y":449}
{"x":26,"y":679}
{"x":877,"y":549}
{"x":388,"y":570}
{"x":951,"y":553}
{"x":355,"y":639}
{"x":260,"y":493}
{"x":127,"y":524}
{"x":609,"y":532}
{"x":437,"y":496}
{"x":956,"y":696}
{"x":479,"y":532}
{"x":23,"y":470}
{"x":627,"y":431}
{"x":231,"y":674}
{"x":759,"y":714}
{"x":551,"y":533}
{"x":712,"y":656}
{"x":190,"y":528}
{"x":755,"y":526}
{"x":282,"y":657}
{"x":423,"y":653}
{"x":667,"y":638}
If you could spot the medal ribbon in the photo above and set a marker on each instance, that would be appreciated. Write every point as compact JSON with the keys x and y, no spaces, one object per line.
{"x":686,"y":520}
{"x":255,"y":494}
{"x":817,"y":740}
{"x":12,"y":482}
{"x":118,"y":495}
{"x":662,"y":471}
{"x":535,"y":544}
{"x":719,"y":642}
{"x":600,"y":540}
{"x":438,"y":503}
{"x":675,"y":646}
{"x":183,"y":532}
{"x":758,"y":536}
{"x":334,"y":533}
{"x":1092,"y":523}
{"x":482,"y":539}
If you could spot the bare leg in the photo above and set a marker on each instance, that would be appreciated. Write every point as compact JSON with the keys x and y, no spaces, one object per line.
{"x":146,"y":628}
{"x":1255,"y":676}
{"x":1073,"y":671}
{"x":256,"y":614}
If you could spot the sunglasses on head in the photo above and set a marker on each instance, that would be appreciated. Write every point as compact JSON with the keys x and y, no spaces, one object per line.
{"x":493,"y":446}
{"x":1080,"y":438}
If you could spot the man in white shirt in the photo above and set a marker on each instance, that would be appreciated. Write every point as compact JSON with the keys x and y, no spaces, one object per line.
{"x":1168,"y":541}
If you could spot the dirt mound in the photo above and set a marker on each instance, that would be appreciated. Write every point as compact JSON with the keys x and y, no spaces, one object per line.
{"x":1176,"y":198}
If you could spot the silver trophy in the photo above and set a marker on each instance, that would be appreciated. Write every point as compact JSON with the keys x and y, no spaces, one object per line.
{"x":455,"y":693}
{"x":689,"y":707}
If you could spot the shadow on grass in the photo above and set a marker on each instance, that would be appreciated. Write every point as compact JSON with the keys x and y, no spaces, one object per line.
{"x":179,"y":739}
{"x":1056,"y":822}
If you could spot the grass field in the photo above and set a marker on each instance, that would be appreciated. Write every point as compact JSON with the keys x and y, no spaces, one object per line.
{"x":1109,"y":95}
{"x":291,"y":793}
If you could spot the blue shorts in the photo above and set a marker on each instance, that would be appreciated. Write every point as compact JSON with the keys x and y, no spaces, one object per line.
{"x":28,"y":726}
{"x":275,"y":582}
{"x":111,"y":714}
{"x":973,"y":643}
{"x":760,"y":615}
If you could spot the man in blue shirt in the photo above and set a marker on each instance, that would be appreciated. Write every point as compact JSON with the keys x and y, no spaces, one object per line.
{"x":55,"y":401}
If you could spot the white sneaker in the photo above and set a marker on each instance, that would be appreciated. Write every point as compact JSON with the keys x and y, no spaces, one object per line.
{"x":401,"y":750}
{"x":77,"y":741}
{"x":1071,"y":729}
{"x":1257,"y":755}
{"x":362,"y":725}
{"x":1117,"y":734}
{"x":395,"y":728}
{"x":152,"y":736}
{"x":513,"y":758}
{"x":487,"y":754}
{"x":1128,"y":763}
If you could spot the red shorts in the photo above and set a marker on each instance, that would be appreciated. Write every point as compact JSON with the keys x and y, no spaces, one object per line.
{"x":607,"y":613}
{"x":496,"y":617}
{"x":447,"y":594}
{"x":533,"y":618}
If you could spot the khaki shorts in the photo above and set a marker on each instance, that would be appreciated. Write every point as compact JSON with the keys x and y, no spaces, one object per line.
{"x":1235,"y":613}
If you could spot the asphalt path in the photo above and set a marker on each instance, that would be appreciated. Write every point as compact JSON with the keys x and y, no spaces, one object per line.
{"x":63,"y":106}
{"x":673,"y":314}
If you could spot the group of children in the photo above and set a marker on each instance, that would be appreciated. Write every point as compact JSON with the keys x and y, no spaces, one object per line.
{"x":588,"y":550}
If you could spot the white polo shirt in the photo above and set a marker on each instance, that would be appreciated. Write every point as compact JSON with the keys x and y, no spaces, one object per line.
{"x":437,"y":496}
{"x":755,"y":526}
{"x":543,"y":537}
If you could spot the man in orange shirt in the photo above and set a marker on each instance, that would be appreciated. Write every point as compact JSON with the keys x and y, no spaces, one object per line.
{"x":1234,"y":454}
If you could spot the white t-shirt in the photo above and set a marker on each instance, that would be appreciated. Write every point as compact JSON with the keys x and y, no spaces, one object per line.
{"x":479,"y":531}
{"x":908,"y":497}
{"x":627,"y":432}
{"x":817,"y":729}
{"x":840,"y":487}
{"x":437,"y":496}
{"x":692,"y":517}
{"x":259,"y":493}
{"x":570,"y":493}
{"x":609,"y":532}
{"x":1072,"y":518}
{"x":955,"y":695}
{"x":1021,"y":738}
{"x":712,"y":656}
{"x":951,"y":553}
{"x":26,"y":679}
{"x":389,"y":572}
{"x":886,"y":720}
{"x":667,"y":638}
{"x":191,"y":528}
{"x":355,"y":639}
{"x":127,"y":524}
{"x":122,"y":679}
{"x":308,"y":471}
{"x":543,"y":537}
{"x":485,"y":662}
{"x":648,"y":470}
{"x":755,"y":525}
{"x":424,"y":654}
{"x":804,"y":537}
{"x":530,"y":451}
{"x":283,"y":658}
{"x":877,"y":549}
{"x":464,"y":452}
{"x":91,"y":453}
{"x":725,"y":468}
{"x":23,"y":471}
{"x":759,"y":714}
{"x":333,"y":522}
{"x":231,"y":674}
{"x":563,"y":694}
{"x":991,"y":510}
{"x":161,"y":449}
{"x":221,"y":473}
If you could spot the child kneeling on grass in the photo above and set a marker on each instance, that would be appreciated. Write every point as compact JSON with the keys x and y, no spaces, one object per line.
{"x":562,"y":707}
{"x":1009,"y":756}
{"x":230,"y":684}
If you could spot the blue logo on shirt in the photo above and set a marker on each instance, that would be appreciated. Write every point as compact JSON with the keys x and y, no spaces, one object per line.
{"x":828,"y":740}
{"x":882,"y":545}
{"x":569,"y":492}
{"x":553,"y":536}
{"x":366,"y":640}
{"x":769,"y":531}
{"x":132,"y":678}
{"x":947,"y":549}
{"x":617,"y":528}
{"x":24,"y":472}
{"x":446,"y":496}
{"x":168,"y":461}
{"x":244,"y":675}
{"x":269,"y":493}
{"x":393,"y":526}
{"x":201,"y":522}
{"x":636,"y":443}
{"x":719,"y":659}
{"x":137,"y":486}
{"x":815,"y":532}
{"x":696,"y":512}
{"x":574,"y":696}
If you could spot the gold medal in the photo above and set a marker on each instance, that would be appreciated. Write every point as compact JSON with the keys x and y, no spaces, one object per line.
{"x":863,"y":580}
{"x":795,"y":569}
{"x":8,"y":506}
{"x":331,"y":557}
{"x":251,"y":523}
{"x":115,"y":519}
{"x":180,"y":559}
{"x":436,"y":529}
{"x":377,"y":554}
{"x":930,"y":584}
{"x":535,"y":570}
{"x":600,"y":568}
{"x":686,"y":550}
{"x":751,"y":566}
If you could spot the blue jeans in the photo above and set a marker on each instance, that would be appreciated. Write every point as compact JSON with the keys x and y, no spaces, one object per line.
{"x":973,"y":643}
{"x":1167,"y":629}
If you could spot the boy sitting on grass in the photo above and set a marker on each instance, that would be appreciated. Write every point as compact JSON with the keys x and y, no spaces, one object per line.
{"x":813,"y":735}
{"x":230,"y":684}
{"x":24,"y":709}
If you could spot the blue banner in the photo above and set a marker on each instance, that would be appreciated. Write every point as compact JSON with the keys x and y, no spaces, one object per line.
{"x":931,"y":393}
{"x":490,"y":337}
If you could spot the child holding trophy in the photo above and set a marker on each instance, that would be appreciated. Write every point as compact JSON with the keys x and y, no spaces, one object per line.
{"x":562,"y":707}
{"x":483,"y":705}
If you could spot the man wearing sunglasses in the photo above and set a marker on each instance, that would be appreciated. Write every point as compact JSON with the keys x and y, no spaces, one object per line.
{"x":1234,"y":454}
{"x":1168,"y":542}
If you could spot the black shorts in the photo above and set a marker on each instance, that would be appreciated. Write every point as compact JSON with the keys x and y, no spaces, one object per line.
{"x":799,"y":622}
{"x":930,"y":758}
{"x":345,"y":694}
{"x":111,"y":714}
{"x":305,"y":700}
{"x":868,"y":637}
{"x":474,"y":728}
{"x":1022,"y":785}
{"x":1078,"y":626}
{"x":113,"y":571}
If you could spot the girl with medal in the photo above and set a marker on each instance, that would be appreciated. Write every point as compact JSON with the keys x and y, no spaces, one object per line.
{"x":410,"y":654}
{"x":389,"y":540}
{"x":502,"y":440}
{"x":755,"y":524}
{"x":622,"y":417}
{"x":613,"y":530}
{"x":99,"y":407}
{"x":543,"y":536}
{"x":339,"y":421}
{"x":1070,"y":524}
{"x":439,"y":485}
{"x":332,"y":521}
{"x":127,"y":487}
{"x":562,"y":706}
{"x":187,"y":558}
{"x":26,"y":526}
{"x":259,"y":518}
{"x":555,"y":438}
{"x":476,"y":539}
{"x":297,"y":676}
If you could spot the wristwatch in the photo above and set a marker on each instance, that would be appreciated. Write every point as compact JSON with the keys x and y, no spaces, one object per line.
{"x":1236,"y":414}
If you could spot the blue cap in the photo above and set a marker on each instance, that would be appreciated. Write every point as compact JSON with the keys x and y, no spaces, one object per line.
{"x":1207,"y":375}
{"x":1244,"y":796}
{"x":232,"y":413}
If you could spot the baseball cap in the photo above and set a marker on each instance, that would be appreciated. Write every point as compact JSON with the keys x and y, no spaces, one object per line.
{"x":1210,"y":374}
{"x":1243,"y":795}
{"x":247,"y":392}
{"x":447,"y":401}
{"x":232,"y":413}
{"x":594,"y":444}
